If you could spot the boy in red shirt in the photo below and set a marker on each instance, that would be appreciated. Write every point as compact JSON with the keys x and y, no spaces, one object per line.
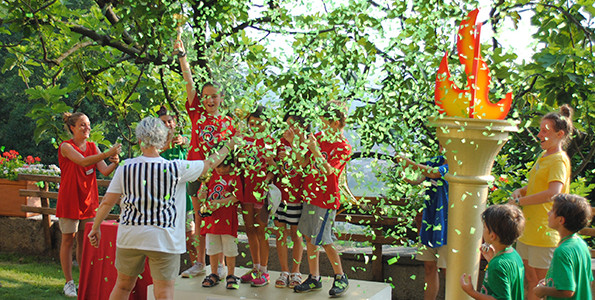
{"x":221,"y":226}
{"x":328,"y":154}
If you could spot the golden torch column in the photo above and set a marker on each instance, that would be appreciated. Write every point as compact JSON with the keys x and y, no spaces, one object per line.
{"x":471,"y":146}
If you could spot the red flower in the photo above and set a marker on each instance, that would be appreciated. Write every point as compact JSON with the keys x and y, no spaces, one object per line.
{"x":37,"y":159}
{"x":29,"y":159}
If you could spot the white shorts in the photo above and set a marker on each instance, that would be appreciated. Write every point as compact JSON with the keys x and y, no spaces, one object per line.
{"x":537,"y":257}
{"x":217,"y":243}
{"x":425,"y":253}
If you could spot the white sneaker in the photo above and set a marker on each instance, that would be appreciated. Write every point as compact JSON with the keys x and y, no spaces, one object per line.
{"x":196,"y":269}
{"x":70,"y":289}
{"x":221,"y":271}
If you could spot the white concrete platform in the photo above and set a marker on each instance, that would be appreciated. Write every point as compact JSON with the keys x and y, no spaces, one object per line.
{"x":191,"y":288}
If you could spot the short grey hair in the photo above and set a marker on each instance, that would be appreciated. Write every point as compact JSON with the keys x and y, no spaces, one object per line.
{"x":152,"y":132}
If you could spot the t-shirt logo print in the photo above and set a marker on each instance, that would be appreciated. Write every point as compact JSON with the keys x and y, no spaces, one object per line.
{"x":325,"y":156}
{"x":207,"y":135}
{"x":218,"y":191}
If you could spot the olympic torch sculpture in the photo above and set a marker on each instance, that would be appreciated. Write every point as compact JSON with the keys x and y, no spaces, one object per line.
{"x":472,"y":133}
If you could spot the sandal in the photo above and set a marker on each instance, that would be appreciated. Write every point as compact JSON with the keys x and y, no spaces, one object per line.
{"x":283,"y":280}
{"x":232,"y":282}
{"x":295,"y":279}
{"x":211,"y":280}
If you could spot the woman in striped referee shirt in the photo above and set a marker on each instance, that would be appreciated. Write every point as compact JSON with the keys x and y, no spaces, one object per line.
{"x":151,"y":191}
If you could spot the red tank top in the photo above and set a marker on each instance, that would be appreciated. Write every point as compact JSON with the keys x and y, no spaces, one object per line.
{"x":77,"y":196}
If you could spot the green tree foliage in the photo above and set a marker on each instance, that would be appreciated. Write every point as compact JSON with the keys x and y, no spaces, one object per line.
{"x":113,"y":60}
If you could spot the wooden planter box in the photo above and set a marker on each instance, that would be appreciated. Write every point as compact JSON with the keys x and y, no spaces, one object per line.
{"x":10,"y":201}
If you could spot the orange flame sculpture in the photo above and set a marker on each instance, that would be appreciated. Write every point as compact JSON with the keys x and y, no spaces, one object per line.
{"x":471,"y":102}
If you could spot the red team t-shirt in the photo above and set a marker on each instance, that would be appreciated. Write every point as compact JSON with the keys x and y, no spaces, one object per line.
{"x":225,"y":219}
{"x":255,"y":169}
{"x":289,"y":180}
{"x":320,"y":190}
{"x":207,"y":130}
{"x":77,"y":196}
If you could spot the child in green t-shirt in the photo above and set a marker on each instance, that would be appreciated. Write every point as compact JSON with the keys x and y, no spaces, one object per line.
{"x":569,"y":275}
{"x":504,"y":275}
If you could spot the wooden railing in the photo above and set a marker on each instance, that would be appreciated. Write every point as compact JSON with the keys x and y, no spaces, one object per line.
{"x":372,"y":218}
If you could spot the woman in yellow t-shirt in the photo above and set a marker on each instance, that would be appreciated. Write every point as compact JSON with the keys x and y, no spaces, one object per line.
{"x":549,"y":176}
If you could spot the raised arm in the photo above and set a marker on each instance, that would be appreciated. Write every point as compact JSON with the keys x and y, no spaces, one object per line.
{"x":323,"y":164}
{"x":69,"y":152}
{"x":216,"y":158}
{"x":186,"y":72}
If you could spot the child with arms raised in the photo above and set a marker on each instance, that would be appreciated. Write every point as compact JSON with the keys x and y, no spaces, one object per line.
{"x":209,"y":127}
{"x":504,"y":276}
{"x":569,"y":275}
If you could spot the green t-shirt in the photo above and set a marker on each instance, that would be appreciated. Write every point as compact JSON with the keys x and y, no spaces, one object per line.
{"x":178,"y":152}
{"x":570,"y":269}
{"x":505,"y":276}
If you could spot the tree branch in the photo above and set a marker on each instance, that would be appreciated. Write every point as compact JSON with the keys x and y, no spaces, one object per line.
{"x":140,"y":76}
{"x":113,"y":19}
{"x":72,"y":50}
{"x":584,"y":163}
{"x":170,"y":101}
{"x":238,"y":28}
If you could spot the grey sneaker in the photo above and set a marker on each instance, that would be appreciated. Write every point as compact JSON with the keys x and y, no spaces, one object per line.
{"x":310,"y":284}
{"x":70,"y":289}
{"x":340,"y":285}
{"x":195,"y":270}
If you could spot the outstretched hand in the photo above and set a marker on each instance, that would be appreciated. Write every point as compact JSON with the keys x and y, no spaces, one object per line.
{"x":115,"y":149}
{"x":466,"y":284}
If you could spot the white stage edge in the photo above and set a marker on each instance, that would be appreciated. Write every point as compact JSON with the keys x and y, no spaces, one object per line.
{"x":191,"y":288}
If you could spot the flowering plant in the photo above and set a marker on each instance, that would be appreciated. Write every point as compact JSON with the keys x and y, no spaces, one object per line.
{"x":12,"y":163}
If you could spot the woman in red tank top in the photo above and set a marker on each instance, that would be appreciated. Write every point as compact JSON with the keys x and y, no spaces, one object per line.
{"x":77,"y":196}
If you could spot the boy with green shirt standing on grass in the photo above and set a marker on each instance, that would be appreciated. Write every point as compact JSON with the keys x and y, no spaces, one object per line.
{"x":569,"y":275}
{"x":505,"y":273}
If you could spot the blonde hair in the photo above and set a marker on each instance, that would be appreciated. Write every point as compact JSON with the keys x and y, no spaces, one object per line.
{"x":70,"y":119}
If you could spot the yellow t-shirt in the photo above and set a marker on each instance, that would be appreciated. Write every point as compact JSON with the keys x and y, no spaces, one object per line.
{"x":554,"y":167}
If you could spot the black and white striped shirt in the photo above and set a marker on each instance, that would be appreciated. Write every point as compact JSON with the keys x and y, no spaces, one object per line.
{"x":153,"y":202}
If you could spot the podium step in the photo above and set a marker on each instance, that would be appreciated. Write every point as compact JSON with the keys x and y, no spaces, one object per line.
{"x":191,"y":288}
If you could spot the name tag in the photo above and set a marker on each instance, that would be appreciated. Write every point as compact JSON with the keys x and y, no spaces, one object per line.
{"x":90,"y":171}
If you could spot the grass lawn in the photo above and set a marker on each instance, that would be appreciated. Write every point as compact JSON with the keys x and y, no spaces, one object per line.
{"x":30,"y":277}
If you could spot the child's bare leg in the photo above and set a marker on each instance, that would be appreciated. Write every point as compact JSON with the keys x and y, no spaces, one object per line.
{"x":334,"y":257}
{"x":313,"y":259}
{"x":431,"y":279}
{"x":281,"y":242}
{"x":263,"y":242}
{"x":253,"y":242}
{"x":231,"y":264}
{"x":297,"y":249}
